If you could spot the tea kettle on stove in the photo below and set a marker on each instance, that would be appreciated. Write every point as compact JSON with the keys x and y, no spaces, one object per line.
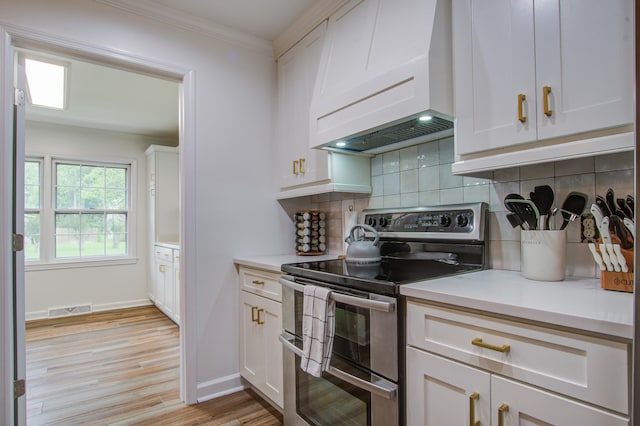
{"x":361,"y":250}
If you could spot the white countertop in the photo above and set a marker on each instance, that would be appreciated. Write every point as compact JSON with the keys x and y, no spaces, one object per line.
{"x":578,"y":303}
{"x":273,"y":263}
{"x":175,"y":246}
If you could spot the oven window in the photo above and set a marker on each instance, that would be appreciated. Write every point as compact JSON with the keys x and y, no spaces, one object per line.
{"x":352,"y":326}
{"x":330,"y":401}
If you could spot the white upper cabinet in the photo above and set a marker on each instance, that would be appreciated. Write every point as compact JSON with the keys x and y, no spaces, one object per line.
{"x":302,"y":170}
{"x":528,"y":71}
{"x":379,"y":63}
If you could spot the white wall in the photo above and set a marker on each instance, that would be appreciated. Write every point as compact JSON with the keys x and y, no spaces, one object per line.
{"x":105,"y":287}
{"x":234,"y":195}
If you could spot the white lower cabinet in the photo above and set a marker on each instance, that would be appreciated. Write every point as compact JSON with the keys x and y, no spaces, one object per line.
{"x":165,"y":285}
{"x":260,"y":326}
{"x":465,"y":367}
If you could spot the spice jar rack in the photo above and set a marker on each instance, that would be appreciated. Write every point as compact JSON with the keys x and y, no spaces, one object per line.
{"x":310,"y":233}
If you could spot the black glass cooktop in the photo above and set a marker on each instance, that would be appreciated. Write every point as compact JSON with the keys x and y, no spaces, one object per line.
{"x":382,"y":277}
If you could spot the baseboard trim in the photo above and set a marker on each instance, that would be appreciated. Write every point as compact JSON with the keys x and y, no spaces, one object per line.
{"x":219,"y":387}
{"x":37,"y":315}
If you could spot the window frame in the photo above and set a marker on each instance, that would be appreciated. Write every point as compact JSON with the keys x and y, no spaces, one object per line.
{"x":39,"y":210}
{"x":48,"y":211}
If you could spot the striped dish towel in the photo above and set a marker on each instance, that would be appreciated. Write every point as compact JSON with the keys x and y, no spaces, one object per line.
{"x":317,"y":329}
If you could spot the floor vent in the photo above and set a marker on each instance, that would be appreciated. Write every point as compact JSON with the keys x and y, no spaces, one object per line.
{"x":70,"y":310}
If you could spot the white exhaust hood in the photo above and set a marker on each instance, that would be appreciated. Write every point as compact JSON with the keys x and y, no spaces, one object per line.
{"x":384,"y":64}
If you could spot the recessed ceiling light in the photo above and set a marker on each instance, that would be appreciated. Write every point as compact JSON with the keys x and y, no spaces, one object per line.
{"x":425,"y":118}
{"x":46,"y":83}
{"x":341,"y":144}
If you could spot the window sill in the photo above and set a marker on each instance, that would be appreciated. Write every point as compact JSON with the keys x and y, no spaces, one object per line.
{"x":79,"y":263}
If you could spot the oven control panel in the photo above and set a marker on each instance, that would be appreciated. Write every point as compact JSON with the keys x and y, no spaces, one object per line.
{"x":460,"y":221}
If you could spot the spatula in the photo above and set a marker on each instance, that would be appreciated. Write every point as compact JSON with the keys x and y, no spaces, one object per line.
{"x":526,"y":209}
{"x":572,"y":207}
{"x":542,"y":196}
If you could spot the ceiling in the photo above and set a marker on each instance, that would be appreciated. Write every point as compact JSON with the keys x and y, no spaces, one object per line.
{"x":106,"y":98}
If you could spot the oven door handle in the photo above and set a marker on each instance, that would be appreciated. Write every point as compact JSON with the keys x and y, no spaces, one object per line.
{"x":359,"y":302}
{"x":381,"y":388}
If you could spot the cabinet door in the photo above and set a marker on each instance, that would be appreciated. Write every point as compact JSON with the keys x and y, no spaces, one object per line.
{"x":251,"y":340}
{"x":590,"y":73}
{"x":519,"y":404}
{"x":166,"y":209}
{"x":260,"y":349}
{"x":297,"y":70}
{"x":494,"y":64}
{"x":176,"y":284}
{"x":443,"y":392}
{"x":162,"y":276}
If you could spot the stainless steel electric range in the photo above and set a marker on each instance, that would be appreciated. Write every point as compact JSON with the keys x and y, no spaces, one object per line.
{"x":364,"y":384}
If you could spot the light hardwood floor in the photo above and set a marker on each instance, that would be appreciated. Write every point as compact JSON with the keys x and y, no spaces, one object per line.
{"x":120,"y":368}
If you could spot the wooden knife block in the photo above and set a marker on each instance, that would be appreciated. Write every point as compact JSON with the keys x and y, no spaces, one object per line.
{"x":619,"y":281}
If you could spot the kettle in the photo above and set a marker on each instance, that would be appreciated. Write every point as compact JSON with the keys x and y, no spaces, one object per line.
{"x":361,"y":250}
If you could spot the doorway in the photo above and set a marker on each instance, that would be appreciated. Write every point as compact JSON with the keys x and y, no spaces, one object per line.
{"x":182,"y":77}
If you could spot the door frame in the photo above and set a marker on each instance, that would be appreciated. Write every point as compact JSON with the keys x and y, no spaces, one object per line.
{"x":11,"y":37}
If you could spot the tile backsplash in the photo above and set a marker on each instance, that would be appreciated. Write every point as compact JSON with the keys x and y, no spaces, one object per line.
{"x":421,"y":175}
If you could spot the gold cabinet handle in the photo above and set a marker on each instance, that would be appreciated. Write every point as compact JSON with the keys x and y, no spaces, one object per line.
{"x":472,"y":409}
{"x":478,"y":342}
{"x":255,"y":316}
{"x":161,"y":268}
{"x":259,"y":321}
{"x":301,"y":162}
{"x":295,"y":163}
{"x":521,"y":98}
{"x":546,"y":90}
{"x":258,"y":282}
{"x":501,"y":410}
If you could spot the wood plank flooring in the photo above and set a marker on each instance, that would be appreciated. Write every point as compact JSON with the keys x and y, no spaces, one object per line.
{"x":120,"y":368}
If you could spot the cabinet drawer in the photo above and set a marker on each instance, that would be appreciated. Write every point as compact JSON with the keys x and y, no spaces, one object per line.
{"x":589,"y":368}
{"x":163,"y":253}
{"x":261,"y":282}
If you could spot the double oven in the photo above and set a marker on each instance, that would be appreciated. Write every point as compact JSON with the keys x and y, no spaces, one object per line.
{"x":364,"y":384}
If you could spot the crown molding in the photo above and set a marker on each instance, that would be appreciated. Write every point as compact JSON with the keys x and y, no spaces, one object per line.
{"x":318,"y":12}
{"x":192,"y":23}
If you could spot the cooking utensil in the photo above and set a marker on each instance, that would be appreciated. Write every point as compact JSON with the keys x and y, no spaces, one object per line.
{"x":572,"y":207}
{"x":622,"y":203}
{"x":526,"y":209}
{"x":617,"y":227}
{"x":631,"y":204}
{"x":543,"y":197}
{"x":516,"y":220}
{"x":606,"y":234}
{"x":361,"y":250}
{"x":597,"y":257}
{"x":602,"y":203}
{"x":631,"y":226}
{"x":613,"y":257}
{"x":605,"y":257}
{"x":597,"y":216}
{"x":610,"y":198}
{"x":621,"y":259}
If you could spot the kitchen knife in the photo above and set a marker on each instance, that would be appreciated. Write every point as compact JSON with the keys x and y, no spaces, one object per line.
{"x":602,"y":203}
{"x":605,"y":257}
{"x":631,"y":204}
{"x":597,"y":257}
{"x":613,"y":257}
{"x":597,"y":216}
{"x":610,"y":198}
{"x":622,"y":203}
{"x":621,"y":258}
{"x":606,"y":236}
{"x":620,"y":230}
{"x":631,"y":226}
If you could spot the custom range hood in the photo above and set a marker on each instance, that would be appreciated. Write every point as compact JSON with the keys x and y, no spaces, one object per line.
{"x":385,"y":76}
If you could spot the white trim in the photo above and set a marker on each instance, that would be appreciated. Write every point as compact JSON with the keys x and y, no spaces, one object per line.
{"x":318,"y":12}
{"x":36,"y":315}
{"x":219,"y":387}
{"x":6,"y":267}
{"x":11,"y":35}
{"x":167,"y":15}
{"x":79,"y":263}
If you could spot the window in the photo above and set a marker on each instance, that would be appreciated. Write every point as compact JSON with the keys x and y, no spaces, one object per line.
{"x":85,"y":213}
{"x":32,"y":203}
